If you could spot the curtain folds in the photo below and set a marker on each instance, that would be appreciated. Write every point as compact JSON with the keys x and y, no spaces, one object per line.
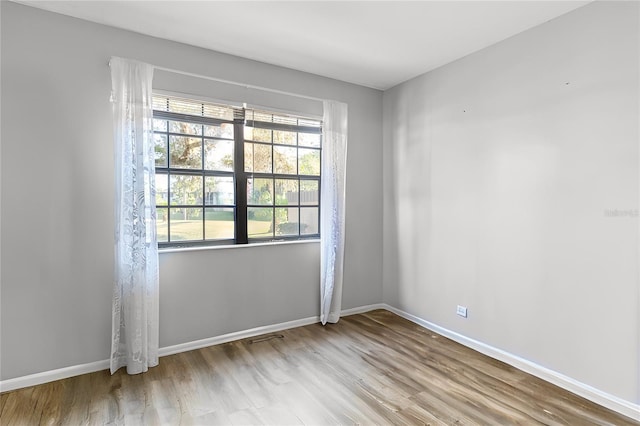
{"x":134,"y":342}
{"x":332,"y":210}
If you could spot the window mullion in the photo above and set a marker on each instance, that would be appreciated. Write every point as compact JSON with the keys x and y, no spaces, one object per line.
{"x":204,"y":182}
{"x":240,"y":184}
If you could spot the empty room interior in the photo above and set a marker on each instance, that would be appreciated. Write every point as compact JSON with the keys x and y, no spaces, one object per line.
{"x":320,"y":212}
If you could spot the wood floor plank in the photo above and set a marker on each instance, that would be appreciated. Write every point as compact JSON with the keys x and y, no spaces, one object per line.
{"x":416,"y":415}
{"x":372,"y":368}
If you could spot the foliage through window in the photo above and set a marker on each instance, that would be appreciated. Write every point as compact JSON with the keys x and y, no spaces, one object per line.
{"x":232,"y":175}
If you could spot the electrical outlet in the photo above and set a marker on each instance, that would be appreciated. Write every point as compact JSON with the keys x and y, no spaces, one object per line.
{"x":462,"y":311}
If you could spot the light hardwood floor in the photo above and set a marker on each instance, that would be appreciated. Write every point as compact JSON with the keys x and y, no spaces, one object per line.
{"x":373,"y":368}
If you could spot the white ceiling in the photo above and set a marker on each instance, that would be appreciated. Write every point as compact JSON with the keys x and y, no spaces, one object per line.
{"x":372,"y":43}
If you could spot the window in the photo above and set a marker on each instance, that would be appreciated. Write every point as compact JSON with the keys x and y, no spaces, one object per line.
{"x":226,"y":174}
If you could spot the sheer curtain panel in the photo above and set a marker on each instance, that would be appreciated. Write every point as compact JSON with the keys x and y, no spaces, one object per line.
{"x":134,"y":340}
{"x":332,"y":209}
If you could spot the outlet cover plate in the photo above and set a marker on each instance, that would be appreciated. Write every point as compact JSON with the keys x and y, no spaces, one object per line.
{"x":462,"y":311}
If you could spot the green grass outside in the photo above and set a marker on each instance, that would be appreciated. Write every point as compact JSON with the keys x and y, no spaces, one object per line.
{"x":185,"y":230}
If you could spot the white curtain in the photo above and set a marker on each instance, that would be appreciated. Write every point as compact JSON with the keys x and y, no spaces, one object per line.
{"x":332,"y":210}
{"x":134,"y":342}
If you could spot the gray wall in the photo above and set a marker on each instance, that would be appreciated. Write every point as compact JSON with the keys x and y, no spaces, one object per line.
{"x":498,"y":171}
{"x":57,"y":200}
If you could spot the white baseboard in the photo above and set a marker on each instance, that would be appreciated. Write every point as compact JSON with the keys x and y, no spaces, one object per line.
{"x":76,"y":370}
{"x":92,"y":367}
{"x":229,"y":337}
{"x":198,"y":344}
{"x":52,"y":375}
{"x":612,"y":402}
{"x":363,"y":309}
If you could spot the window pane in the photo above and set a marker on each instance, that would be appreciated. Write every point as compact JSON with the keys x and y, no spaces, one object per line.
{"x":219,"y":190}
{"x":159,"y":125}
{"x":285,"y":160}
{"x":248,"y":157}
{"x":218,"y":155}
{"x":186,"y":128}
{"x":262,"y":158}
{"x":309,"y":220}
{"x":286,"y":192}
{"x":309,"y":139}
{"x":257,"y":158}
{"x":309,"y":192}
{"x":219,"y":224}
{"x":260,"y":191}
{"x":280,"y":136}
{"x":186,"y":224}
{"x":260,"y":222}
{"x":287,"y":221}
{"x":224,"y":130}
{"x":160,"y":149}
{"x":162,"y":189}
{"x":185,"y":153}
{"x":257,"y":135}
{"x":309,"y":161}
{"x":186,"y":190}
{"x":162,"y":224}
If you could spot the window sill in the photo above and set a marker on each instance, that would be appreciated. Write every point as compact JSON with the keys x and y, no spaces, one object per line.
{"x":235,"y":246}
